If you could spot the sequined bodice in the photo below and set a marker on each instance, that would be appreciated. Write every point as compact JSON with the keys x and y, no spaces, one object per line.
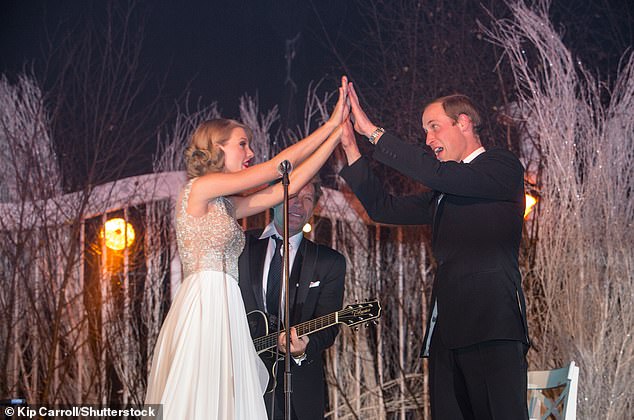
{"x":210,"y":242}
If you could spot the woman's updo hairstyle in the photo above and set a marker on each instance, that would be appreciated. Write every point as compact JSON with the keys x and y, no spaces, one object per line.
{"x":203,"y":154}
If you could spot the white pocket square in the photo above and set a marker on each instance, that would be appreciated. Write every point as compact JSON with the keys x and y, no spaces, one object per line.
{"x":313,"y":284}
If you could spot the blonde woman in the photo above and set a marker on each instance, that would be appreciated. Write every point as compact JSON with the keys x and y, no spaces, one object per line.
{"x":204,"y":364}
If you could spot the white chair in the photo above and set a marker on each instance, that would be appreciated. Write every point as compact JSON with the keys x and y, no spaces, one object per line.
{"x":552,"y":394}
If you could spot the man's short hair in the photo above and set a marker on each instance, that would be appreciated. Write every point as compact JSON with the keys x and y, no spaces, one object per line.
{"x":315,"y":182}
{"x":457,"y":104}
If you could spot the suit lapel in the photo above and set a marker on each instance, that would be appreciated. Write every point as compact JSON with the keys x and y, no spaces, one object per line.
{"x":294,"y":282}
{"x":257,"y":250}
{"x":307,"y":274}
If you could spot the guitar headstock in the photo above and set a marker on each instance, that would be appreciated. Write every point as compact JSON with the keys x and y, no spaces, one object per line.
{"x":358,"y":313}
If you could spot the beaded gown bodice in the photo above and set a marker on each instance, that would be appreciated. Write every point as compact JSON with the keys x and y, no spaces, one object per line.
{"x":213,"y":241}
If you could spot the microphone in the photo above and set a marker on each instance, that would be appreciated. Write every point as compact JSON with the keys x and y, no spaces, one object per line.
{"x":285,"y":167}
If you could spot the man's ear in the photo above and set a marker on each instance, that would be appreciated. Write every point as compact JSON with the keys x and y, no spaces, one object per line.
{"x":465,"y":123}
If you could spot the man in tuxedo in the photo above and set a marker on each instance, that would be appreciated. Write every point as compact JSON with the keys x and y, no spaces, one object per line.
{"x":316,"y":288}
{"x":477,"y":335}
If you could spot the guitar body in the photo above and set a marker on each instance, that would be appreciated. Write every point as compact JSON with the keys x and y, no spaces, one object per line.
{"x":258,"y":323}
{"x":259,"y":326}
{"x":268,"y":357}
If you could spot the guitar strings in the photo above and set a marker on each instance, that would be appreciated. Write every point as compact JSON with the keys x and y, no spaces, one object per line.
{"x":268,"y":341}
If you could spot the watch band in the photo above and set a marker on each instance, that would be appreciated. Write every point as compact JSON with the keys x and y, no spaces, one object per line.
{"x":375,"y":134}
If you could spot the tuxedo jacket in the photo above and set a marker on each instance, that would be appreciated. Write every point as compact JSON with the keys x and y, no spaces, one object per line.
{"x":316,"y":289}
{"x":476,"y":212}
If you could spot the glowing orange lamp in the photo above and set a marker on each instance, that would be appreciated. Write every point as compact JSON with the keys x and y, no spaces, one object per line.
{"x":530,"y":203}
{"x":118,"y":234}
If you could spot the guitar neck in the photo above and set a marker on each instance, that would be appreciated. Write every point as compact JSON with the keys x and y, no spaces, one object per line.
{"x":269,"y":341}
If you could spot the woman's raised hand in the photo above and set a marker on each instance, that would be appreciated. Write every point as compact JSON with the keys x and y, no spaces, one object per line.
{"x":342,"y":108}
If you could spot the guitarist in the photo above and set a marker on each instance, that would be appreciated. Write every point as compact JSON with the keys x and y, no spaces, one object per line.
{"x":316,"y":288}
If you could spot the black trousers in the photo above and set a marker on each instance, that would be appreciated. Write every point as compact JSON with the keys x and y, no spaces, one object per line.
{"x":485,"y":381}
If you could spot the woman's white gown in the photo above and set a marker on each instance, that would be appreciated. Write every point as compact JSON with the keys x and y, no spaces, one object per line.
{"x":205,"y":365}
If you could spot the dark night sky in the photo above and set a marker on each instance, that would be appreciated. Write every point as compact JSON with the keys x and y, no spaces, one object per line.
{"x":197,"y":51}
{"x":225,"y":48}
{"x":222,"y":48}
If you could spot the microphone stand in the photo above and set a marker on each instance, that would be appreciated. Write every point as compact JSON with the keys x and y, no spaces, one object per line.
{"x":287,"y":323}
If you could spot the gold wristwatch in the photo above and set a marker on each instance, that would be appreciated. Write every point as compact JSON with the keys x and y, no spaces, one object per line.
{"x":375,"y":134}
